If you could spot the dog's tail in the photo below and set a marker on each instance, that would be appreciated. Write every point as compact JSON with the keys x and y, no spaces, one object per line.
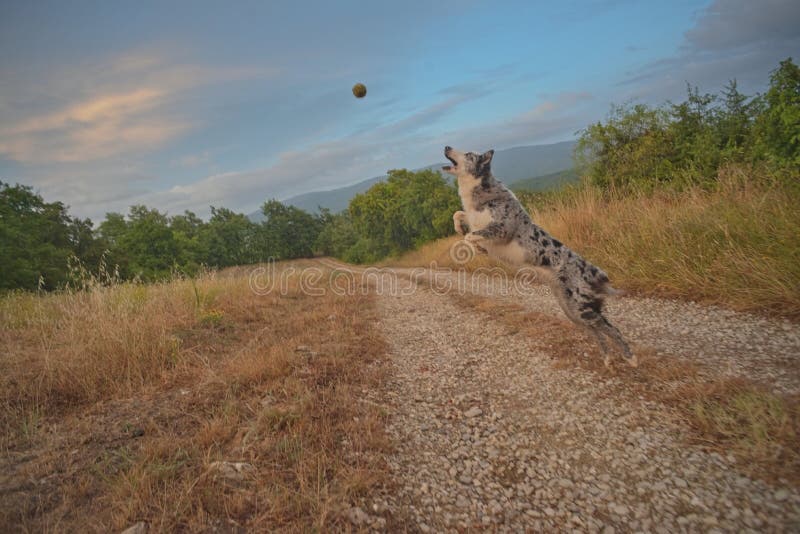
{"x":603,"y":286}
{"x":611,"y":291}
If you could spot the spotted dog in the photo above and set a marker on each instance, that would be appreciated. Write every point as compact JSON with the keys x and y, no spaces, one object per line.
{"x":498,"y":225}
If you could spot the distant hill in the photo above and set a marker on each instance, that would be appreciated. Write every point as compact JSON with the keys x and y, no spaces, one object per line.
{"x":547,"y":181}
{"x":511,"y":165}
{"x":520,"y":163}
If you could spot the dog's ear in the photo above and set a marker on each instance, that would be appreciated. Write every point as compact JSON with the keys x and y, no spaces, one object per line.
{"x":483,"y":167}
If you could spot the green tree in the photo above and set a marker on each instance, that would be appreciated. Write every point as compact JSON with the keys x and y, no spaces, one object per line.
{"x":778,"y":127}
{"x":228,"y":238}
{"x":36,"y":239}
{"x":403,"y":212}
{"x":633,"y":147}
{"x":735,"y":122}
{"x":337,"y":235}
{"x":286,"y":232}
{"x":149,"y":244}
{"x":187,"y":230}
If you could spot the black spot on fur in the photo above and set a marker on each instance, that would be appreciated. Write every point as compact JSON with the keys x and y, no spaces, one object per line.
{"x":588,"y":314}
{"x":545,"y":242}
{"x":556,"y":243}
{"x":545,"y":262}
{"x":593,"y":270}
{"x":596,"y":305}
{"x":569,"y":291}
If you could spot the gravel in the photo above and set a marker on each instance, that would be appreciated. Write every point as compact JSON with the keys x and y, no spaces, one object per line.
{"x":726,"y":342}
{"x":489,"y":435}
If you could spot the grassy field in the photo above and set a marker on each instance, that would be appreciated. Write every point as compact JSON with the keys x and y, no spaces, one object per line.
{"x":124,"y":402}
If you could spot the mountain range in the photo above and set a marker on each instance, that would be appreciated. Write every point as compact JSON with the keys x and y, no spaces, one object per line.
{"x":535,"y":167}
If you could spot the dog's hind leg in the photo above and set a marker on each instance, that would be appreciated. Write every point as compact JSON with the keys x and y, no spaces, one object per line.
{"x":602,"y":326}
{"x":565,"y":299}
{"x":587,"y":314}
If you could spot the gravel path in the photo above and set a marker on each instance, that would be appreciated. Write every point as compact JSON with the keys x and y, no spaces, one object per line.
{"x":725,"y":342}
{"x":490,"y":436}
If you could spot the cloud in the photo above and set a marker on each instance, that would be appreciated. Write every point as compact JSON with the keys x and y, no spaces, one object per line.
{"x":556,"y":118}
{"x":192,"y":160}
{"x":357,"y":157}
{"x":727,"y":24}
{"x":122,"y":105}
{"x":320,"y":165}
{"x":730,"y":38}
{"x":103,"y":126}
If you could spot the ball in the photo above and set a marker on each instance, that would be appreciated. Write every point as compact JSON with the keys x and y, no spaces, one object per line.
{"x":360,"y":90}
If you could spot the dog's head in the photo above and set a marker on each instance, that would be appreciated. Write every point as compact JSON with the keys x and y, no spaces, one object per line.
{"x":468,"y":163}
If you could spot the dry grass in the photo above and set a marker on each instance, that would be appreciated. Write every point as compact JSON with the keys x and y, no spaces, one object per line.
{"x":737,"y":246}
{"x":760,"y":427}
{"x":116,"y":402}
{"x":442,"y":254}
{"x":727,"y":415}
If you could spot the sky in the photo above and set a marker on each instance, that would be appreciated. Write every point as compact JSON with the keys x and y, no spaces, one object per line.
{"x":185,"y":105}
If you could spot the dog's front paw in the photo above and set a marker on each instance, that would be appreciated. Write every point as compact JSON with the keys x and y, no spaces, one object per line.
{"x":458,"y":222}
{"x":473,"y":238}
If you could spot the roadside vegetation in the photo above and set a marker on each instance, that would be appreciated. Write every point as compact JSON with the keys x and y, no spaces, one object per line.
{"x":195,"y":404}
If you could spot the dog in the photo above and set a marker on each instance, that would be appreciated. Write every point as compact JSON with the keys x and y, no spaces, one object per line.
{"x":496,"y":223}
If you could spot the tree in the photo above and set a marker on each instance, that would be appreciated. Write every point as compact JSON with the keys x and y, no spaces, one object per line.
{"x":187,"y":230}
{"x":227,"y":238}
{"x":286,"y":232}
{"x":36,"y":239}
{"x":336,"y":236}
{"x":734,"y":122}
{"x":149,"y":244}
{"x":406,"y":210}
{"x":779,"y":125}
{"x":633,"y":147}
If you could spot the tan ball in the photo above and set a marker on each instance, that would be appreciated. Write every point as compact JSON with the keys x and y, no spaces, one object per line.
{"x":360,"y":90}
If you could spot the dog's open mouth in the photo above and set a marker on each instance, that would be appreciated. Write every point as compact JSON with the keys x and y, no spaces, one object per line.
{"x":450,"y":167}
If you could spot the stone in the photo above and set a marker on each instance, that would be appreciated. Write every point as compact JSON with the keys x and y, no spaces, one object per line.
{"x":231,"y":470}
{"x":473,"y":412}
{"x":357,"y":516}
{"x":137,"y":528}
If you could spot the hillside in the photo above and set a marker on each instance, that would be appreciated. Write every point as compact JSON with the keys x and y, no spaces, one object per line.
{"x":510,"y":165}
{"x":547,"y":181}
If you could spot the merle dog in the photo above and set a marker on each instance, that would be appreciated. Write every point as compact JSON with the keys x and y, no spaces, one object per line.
{"x":500,"y":226}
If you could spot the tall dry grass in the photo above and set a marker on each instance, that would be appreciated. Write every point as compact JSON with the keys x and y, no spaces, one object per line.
{"x":122,"y":397}
{"x":78,"y":346}
{"x":737,"y":245}
{"x":443,"y":254}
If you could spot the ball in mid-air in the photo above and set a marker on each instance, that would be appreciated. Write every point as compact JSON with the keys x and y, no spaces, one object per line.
{"x":360,"y":90}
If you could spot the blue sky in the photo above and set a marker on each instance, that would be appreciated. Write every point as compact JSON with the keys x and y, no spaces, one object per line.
{"x":183,"y":105}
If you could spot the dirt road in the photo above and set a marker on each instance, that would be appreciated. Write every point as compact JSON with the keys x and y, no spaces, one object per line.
{"x":491,"y":435}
